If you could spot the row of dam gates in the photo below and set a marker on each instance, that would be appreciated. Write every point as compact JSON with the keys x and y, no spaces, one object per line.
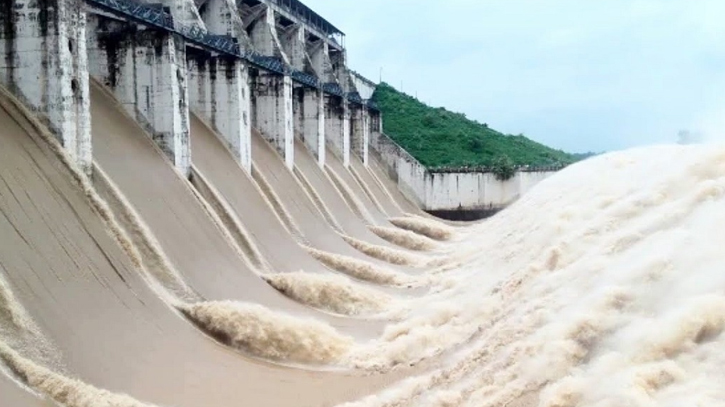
{"x":273,"y":65}
{"x":241,"y":65}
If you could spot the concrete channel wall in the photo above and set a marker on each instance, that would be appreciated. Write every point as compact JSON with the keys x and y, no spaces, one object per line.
{"x":456,"y":195}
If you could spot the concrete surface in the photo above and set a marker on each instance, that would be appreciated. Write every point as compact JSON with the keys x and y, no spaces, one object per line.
{"x":148,"y":74}
{"x":453,"y":191}
{"x":46,"y":66}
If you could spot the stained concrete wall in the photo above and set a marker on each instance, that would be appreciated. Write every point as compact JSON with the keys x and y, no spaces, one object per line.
{"x":451,"y":191}
{"x":219,"y":93}
{"x":360,"y":136}
{"x":219,"y":88}
{"x":274,"y":113}
{"x":43,"y":61}
{"x":365,"y":87}
{"x":309,"y":120}
{"x":320,"y":60}
{"x":337,"y":127}
{"x":264,"y":36}
{"x":222,"y":17}
{"x":147,"y":72}
{"x":294,"y":44}
{"x":308,"y":103}
{"x":273,"y":102}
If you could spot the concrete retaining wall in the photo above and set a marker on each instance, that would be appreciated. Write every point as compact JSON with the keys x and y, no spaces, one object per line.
{"x":445,"y":191}
{"x":451,"y":191}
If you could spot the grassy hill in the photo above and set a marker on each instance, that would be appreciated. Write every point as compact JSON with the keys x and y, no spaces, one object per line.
{"x":439,"y":138}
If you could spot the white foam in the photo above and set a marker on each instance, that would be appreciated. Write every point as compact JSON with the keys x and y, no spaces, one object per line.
{"x":603,"y":286}
{"x":329,"y":292}
{"x":268,"y":334}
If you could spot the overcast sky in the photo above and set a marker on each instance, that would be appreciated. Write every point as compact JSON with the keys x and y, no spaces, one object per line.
{"x":580,"y":75}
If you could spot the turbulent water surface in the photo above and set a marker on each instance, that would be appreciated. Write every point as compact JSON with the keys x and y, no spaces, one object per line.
{"x":603,"y":286}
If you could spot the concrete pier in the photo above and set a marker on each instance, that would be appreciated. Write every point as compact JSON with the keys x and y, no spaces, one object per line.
{"x":318,"y":53}
{"x":44,"y":63}
{"x":337,"y":127}
{"x":311,"y":118}
{"x":308,"y":104}
{"x":263,"y":33}
{"x":293,"y":43}
{"x":360,"y":136}
{"x":376,"y":127}
{"x":219,"y":92}
{"x":274,"y":113}
{"x":146,"y":69}
{"x":341,"y":111}
{"x":219,"y":88}
{"x":367,"y":120}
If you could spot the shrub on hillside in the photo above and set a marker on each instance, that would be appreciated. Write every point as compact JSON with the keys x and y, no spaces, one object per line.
{"x":503,"y":168}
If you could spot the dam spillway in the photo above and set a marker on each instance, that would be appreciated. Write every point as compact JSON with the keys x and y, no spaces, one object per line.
{"x":196,"y":208}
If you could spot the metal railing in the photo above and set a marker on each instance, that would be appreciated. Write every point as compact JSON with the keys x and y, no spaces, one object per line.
{"x":354,"y":97}
{"x":142,"y":13}
{"x":333,"y":89}
{"x":305,"y":78}
{"x":223,"y":44}
{"x":490,"y":169}
{"x":269,"y":63}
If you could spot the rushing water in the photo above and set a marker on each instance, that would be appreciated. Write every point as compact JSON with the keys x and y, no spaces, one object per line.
{"x":603,"y":286}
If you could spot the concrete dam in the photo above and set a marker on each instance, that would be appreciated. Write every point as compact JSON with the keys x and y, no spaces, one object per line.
{"x":199,"y":207}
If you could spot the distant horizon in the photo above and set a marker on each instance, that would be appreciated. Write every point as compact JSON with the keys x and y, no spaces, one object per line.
{"x":577,"y":77}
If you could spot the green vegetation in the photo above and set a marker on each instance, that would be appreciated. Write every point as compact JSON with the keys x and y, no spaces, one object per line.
{"x":503,"y":167}
{"x":439,"y":138}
